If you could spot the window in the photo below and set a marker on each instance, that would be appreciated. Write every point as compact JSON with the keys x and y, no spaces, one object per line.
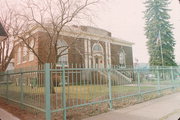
{"x":31,"y":54}
{"x":19,"y":55}
{"x":63,"y":51}
{"x":97,"y":47}
{"x":25,"y":54}
{"x":122,"y":60}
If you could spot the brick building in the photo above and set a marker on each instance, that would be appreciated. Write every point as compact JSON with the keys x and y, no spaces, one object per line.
{"x":88,"y":46}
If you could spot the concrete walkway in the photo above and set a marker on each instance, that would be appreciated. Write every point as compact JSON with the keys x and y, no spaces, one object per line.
{"x":164,"y":108}
{"x":4,"y":115}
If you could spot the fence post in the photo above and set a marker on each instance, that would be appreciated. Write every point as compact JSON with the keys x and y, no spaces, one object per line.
{"x":7,"y":87}
{"x":158,"y":82}
{"x":172,"y":78}
{"x":64,"y":92}
{"x":110,"y":87}
{"x":21,"y":89}
{"x":47,"y":92}
{"x":139,"y":83}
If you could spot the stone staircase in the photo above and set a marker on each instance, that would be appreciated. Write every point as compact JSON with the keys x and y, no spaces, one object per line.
{"x":117,"y":77}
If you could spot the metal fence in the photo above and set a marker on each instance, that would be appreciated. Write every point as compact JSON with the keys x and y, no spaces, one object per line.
{"x":53,"y":89}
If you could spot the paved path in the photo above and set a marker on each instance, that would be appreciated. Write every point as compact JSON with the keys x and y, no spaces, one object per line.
{"x":164,"y":108}
{"x":4,"y":115}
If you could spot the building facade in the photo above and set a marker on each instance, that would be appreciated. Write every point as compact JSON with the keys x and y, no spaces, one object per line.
{"x":86,"y":46}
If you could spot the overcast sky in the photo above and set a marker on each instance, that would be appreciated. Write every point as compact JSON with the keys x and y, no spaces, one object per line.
{"x":124,"y":18}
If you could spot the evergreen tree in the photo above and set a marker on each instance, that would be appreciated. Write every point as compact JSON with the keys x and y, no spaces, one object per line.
{"x":158,"y":31}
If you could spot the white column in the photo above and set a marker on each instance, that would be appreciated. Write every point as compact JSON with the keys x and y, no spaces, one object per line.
{"x":107,"y":53}
{"x":109,"y":49}
{"x":89,"y":53}
{"x":85,"y":52}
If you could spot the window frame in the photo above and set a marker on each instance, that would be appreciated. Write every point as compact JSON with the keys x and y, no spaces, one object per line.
{"x":31,"y":54}
{"x":19,"y":55}
{"x":61,"y":44}
{"x":25,"y":54}
{"x":100,"y":46}
{"x":122,"y":58}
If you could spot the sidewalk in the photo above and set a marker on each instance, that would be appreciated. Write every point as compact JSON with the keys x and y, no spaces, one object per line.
{"x":4,"y":115}
{"x":164,"y":108}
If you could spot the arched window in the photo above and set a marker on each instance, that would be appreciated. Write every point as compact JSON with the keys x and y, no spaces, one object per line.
{"x":122,"y":58}
{"x":97,"y":47}
{"x":63,"y":52}
{"x":31,"y":54}
{"x":19,"y":55}
{"x":25,"y":53}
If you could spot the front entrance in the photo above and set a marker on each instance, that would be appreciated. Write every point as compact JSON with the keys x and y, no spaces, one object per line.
{"x":98,"y":61}
{"x":98,"y":55}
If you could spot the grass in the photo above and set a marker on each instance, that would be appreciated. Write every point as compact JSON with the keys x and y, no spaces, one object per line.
{"x":86,"y":92}
{"x":162,"y":82}
{"x":91,"y":92}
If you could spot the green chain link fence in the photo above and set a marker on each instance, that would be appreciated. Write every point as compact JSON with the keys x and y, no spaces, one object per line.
{"x":53,"y":89}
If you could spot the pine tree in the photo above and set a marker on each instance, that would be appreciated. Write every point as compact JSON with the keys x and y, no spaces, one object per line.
{"x":158,"y":31}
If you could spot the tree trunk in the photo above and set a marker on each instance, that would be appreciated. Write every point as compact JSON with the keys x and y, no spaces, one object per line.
{"x":52,"y":83}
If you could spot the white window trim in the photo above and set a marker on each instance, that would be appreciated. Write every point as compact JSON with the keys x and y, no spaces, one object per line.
{"x":60,"y":65}
{"x":30,"y":52}
{"x":66,"y":65}
{"x":19,"y":55}
{"x":124,"y":58}
{"x":24,"y":61}
{"x":96,"y":50}
{"x":29,"y":56}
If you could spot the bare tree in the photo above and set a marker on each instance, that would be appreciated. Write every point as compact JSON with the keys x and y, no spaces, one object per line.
{"x":52,"y":16}
{"x":12,"y":26}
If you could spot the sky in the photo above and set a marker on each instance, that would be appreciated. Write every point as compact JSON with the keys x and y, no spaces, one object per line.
{"x":124,"y":18}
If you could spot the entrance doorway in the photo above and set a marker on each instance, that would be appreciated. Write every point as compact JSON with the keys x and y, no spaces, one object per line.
{"x":98,"y":61}
{"x":98,"y":55}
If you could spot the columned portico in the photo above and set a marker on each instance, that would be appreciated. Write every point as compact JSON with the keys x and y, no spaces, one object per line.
{"x":102,"y":50}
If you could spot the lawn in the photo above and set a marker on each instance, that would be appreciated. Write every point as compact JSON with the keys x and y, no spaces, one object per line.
{"x":93,"y":91}
{"x":86,"y":92}
{"x":161,"y":82}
